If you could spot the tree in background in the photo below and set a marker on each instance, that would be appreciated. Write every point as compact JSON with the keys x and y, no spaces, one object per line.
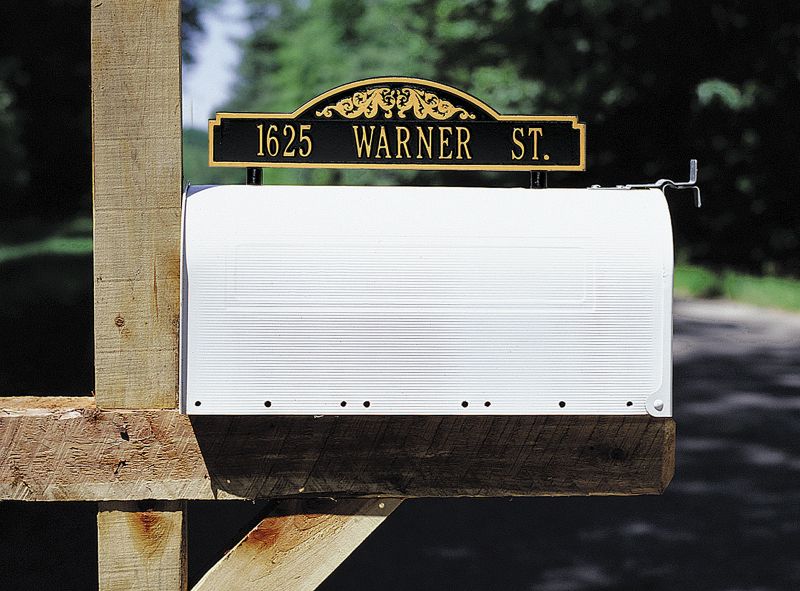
{"x":45,"y":187}
{"x":45,"y":127}
{"x":44,"y":109}
{"x":657,"y":81}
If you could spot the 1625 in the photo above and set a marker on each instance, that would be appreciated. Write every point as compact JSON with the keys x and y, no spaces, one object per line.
{"x":284,"y":140}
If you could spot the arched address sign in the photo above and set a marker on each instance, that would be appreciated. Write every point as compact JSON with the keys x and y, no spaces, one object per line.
{"x":395,"y":122}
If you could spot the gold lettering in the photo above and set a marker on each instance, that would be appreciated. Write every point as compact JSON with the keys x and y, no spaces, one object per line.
{"x":260,"y":129}
{"x":462,"y":143}
{"x":273,"y":146}
{"x":383,"y":144}
{"x":288,"y":151}
{"x":537,"y":133}
{"x":427,"y":142}
{"x":444,"y":143}
{"x":305,"y":139}
{"x":517,"y":131}
{"x":363,"y":144}
{"x":402,"y":142}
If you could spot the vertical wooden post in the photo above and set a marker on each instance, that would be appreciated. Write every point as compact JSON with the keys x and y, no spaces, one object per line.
{"x":141,"y":549}
{"x":136,"y":155}
{"x":136,"y":149}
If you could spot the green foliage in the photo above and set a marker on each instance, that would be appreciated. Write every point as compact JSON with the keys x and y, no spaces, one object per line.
{"x":729,"y":95}
{"x":64,"y":242}
{"x":191,"y":24}
{"x":769,"y":292}
{"x":657,"y":81}
{"x":70,"y":238}
{"x":45,"y":126}
{"x":195,"y":162}
{"x":697,"y":282}
{"x":44,"y":109}
{"x":12,"y":174}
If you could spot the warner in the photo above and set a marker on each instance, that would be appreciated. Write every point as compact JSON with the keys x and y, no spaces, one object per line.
{"x":443,"y":142}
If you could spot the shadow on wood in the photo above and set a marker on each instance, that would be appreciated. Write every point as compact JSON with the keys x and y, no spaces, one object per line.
{"x":261,"y":457}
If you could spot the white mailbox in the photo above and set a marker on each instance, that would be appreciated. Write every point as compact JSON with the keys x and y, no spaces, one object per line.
{"x":400,"y":300}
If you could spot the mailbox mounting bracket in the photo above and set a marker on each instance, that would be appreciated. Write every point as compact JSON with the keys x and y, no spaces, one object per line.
{"x":665,"y":184}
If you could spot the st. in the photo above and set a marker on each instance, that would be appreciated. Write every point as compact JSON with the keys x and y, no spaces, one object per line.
{"x":522,"y":148}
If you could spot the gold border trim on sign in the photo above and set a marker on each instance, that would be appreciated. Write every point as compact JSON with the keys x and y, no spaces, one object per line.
{"x":477,"y":103}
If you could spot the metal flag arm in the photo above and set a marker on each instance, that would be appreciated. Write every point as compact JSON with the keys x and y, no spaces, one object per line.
{"x":664,"y":184}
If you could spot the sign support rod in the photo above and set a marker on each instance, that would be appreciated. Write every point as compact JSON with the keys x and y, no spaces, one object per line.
{"x":538,"y":179}
{"x":254,"y":176}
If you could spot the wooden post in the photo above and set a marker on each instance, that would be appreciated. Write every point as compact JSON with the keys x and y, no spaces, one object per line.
{"x":136,"y":148}
{"x":140,"y":547}
{"x":137,"y":167}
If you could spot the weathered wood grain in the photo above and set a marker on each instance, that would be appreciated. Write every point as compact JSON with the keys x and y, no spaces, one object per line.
{"x":142,"y":546}
{"x":136,"y":146}
{"x":298,"y":545}
{"x":90,"y":454}
{"x":42,"y":405}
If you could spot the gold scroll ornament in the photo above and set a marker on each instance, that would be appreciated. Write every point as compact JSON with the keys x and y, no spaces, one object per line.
{"x":370,"y":103}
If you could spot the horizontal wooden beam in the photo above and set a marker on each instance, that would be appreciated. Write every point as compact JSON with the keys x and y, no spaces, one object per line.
{"x":83,"y":453}
{"x":43,"y":405}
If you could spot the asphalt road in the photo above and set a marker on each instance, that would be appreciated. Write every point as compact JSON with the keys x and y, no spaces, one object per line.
{"x":730,"y":519}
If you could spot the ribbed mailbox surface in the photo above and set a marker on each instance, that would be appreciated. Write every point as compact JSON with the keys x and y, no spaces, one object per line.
{"x":398,"y":300}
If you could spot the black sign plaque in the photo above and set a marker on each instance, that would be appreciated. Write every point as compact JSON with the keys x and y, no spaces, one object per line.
{"x":397,"y":123}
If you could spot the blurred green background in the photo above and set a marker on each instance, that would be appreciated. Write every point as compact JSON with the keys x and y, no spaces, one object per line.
{"x":657,"y":82}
